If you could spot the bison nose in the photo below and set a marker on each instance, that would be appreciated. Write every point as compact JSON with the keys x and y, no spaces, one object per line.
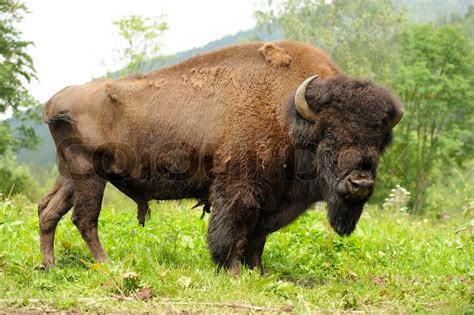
{"x":360,"y":186}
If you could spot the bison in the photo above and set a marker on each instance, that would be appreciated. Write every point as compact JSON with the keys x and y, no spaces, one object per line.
{"x":257,"y":131}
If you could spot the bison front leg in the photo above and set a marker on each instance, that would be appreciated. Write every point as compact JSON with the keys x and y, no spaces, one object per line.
{"x":232,"y":221}
{"x":253,"y":253}
{"x":87,"y":205}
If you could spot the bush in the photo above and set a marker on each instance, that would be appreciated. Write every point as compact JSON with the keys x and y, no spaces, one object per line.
{"x":15,"y":178}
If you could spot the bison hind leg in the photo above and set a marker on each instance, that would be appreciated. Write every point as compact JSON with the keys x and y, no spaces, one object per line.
{"x":88,"y":196}
{"x":52,"y":207}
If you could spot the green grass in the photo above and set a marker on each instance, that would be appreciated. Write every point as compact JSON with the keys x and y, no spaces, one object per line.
{"x":392,"y":262}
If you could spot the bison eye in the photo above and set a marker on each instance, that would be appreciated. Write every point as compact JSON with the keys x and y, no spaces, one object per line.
{"x":330,"y":138}
{"x":367,"y":166}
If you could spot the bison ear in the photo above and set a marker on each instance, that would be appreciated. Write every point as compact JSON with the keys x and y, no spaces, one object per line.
{"x":395,"y":114}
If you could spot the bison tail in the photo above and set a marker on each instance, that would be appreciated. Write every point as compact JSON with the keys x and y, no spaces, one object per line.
{"x":59,"y":118}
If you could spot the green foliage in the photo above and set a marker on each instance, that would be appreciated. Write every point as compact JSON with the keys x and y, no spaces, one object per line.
{"x":436,"y":85}
{"x":142,"y":36}
{"x":360,"y":35}
{"x":16,"y":68}
{"x":309,"y":267}
{"x":15,"y":64}
{"x":15,"y":178}
{"x":6,"y":137}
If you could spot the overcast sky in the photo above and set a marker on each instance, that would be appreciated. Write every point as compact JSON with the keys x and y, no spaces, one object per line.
{"x":73,"y":38}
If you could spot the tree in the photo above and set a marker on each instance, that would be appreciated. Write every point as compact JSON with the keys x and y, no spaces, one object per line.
{"x":16,"y":69}
{"x":436,"y":84}
{"x":142,"y":36}
{"x":360,"y":35}
{"x":468,"y":22}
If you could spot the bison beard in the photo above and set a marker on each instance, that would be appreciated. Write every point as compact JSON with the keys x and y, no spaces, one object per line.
{"x":343,"y":216}
{"x":222,"y":128}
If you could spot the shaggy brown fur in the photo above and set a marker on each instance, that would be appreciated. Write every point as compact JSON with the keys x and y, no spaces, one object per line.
{"x":222,"y":128}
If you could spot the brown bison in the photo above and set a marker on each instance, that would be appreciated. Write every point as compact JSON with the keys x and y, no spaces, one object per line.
{"x":258,"y":132}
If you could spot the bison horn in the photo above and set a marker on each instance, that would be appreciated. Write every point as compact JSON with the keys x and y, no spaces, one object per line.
{"x":302,"y":106}
{"x":397,"y":115}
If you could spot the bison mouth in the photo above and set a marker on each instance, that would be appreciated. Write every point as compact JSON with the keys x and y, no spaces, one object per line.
{"x":343,"y":215}
{"x":346,"y":201}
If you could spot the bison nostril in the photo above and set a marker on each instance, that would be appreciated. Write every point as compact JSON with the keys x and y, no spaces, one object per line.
{"x":354,"y":183}
{"x":360,"y":185}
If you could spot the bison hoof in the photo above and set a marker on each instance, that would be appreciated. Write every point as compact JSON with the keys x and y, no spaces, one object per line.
{"x":234,"y":270}
{"x":45,"y":266}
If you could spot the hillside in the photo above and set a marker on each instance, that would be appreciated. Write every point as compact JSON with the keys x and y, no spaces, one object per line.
{"x":421,"y":11}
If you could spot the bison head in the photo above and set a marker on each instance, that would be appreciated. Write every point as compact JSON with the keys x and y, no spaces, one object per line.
{"x":346,"y":124}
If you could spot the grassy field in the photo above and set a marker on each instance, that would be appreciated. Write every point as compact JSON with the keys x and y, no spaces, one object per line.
{"x":392,"y":262}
